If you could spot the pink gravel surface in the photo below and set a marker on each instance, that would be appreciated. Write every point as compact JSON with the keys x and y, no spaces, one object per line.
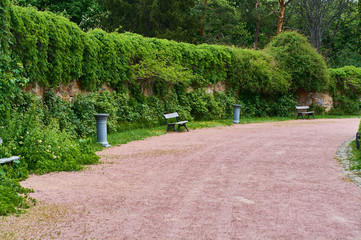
{"x":256,"y":181}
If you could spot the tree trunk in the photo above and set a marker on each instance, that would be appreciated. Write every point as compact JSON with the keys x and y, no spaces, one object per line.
{"x":258,"y":21}
{"x":203,"y":16}
{"x":281,"y":16}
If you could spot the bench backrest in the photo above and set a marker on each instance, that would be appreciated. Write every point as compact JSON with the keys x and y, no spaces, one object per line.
{"x":302,"y":108}
{"x":170,"y":115}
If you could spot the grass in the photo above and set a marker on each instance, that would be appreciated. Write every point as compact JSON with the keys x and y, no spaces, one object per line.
{"x":140,"y":134}
{"x":355,"y":158}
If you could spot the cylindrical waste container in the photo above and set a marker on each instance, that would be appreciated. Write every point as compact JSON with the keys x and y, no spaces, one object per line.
{"x":102,"y":129}
{"x":237,"y":110}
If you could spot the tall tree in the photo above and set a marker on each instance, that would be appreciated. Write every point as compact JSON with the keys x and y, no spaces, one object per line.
{"x":258,"y":24}
{"x":258,"y":21}
{"x":203,"y":16}
{"x":75,"y":10}
{"x":172,"y":19}
{"x":280,"y":14}
{"x":323,"y":18}
{"x":222,"y":24}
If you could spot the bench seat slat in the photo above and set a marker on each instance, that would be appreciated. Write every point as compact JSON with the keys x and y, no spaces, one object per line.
{"x":10,"y":159}
{"x":170,"y":115}
{"x":302,"y":107}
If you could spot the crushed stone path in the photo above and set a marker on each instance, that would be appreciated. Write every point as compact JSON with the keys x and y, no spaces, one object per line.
{"x":257,"y":181}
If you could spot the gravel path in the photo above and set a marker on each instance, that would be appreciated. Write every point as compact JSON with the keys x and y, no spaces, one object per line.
{"x":256,"y":181}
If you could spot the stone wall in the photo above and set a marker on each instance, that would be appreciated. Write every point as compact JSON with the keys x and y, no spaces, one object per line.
{"x":67,"y":92}
{"x":322,"y":99}
{"x":219,"y":86}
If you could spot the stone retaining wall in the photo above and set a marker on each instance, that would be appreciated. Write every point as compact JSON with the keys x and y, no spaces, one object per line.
{"x":68,"y":91}
{"x":321,"y":99}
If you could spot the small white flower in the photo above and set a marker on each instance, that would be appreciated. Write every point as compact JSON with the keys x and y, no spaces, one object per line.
{"x":40,"y":141}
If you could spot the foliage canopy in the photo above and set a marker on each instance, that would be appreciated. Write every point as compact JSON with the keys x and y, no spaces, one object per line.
{"x":298,"y":58}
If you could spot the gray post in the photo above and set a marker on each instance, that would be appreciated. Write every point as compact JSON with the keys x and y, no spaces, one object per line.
{"x":102,"y":129}
{"x":237,"y":110}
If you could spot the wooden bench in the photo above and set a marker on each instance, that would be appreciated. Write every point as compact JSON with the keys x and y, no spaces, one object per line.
{"x":7,"y":160}
{"x":304,"y":111}
{"x":171,"y":125}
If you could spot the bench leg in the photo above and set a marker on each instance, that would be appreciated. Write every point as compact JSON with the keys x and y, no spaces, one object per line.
{"x":171,"y":127}
{"x":313,"y":116}
{"x":183,"y":125}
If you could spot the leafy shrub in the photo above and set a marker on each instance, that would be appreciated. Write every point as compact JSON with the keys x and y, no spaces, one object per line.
{"x":256,"y":71}
{"x":13,"y":197}
{"x":44,"y":148}
{"x":346,"y":79}
{"x":346,"y":90}
{"x":255,"y":105}
{"x":297,"y":57}
{"x":31,"y":129}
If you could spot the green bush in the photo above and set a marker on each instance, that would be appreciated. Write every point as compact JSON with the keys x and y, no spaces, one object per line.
{"x":256,"y":105}
{"x":297,"y":57}
{"x":256,"y":71}
{"x":346,"y":89}
{"x":40,"y":133}
{"x":346,"y":79}
{"x":13,"y":197}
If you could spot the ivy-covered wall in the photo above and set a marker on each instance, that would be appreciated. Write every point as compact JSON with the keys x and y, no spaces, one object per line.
{"x":49,"y":50}
{"x":52,"y":50}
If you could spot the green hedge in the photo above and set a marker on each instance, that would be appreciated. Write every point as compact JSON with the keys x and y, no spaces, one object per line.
{"x":346,"y":90}
{"x":49,"y":50}
{"x":53,"y":50}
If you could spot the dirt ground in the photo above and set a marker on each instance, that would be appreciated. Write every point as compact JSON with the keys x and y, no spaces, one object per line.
{"x":256,"y":181}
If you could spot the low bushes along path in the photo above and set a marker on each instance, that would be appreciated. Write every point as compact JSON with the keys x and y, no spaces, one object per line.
{"x":256,"y":181}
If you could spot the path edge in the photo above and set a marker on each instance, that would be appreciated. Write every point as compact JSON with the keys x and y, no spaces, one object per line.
{"x":343,"y":154}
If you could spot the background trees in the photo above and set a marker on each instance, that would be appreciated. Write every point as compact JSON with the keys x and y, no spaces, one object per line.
{"x":321,"y":18}
{"x":76,"y":10}
{"x":169,"y":19}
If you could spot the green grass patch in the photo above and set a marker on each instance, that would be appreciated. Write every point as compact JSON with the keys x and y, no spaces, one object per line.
{"x":134,"y":135}
{"x":355,"y":158}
